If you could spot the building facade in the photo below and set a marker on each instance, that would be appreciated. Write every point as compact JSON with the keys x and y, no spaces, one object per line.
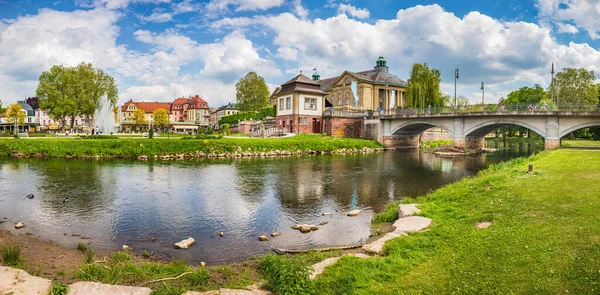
{"x":300,"y":103}
{"x":226,"y":110}
{"x":126,"y":113}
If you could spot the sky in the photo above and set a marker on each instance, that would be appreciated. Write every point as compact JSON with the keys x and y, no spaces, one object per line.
{"x":159,"y":50}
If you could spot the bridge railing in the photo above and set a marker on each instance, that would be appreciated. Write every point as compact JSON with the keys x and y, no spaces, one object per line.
{"x":491,"y":108}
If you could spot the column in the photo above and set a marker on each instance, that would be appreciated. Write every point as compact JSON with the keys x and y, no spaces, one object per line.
{"x":459,"y":132}
{"x":552,"y":140}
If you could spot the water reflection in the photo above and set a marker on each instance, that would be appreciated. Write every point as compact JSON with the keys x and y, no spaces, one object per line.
{"x":117,"y":202}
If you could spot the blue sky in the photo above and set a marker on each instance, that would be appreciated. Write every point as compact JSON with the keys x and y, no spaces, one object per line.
{"x":162,"y":49}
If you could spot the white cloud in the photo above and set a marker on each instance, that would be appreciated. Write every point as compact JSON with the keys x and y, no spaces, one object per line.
{"x":158,"y":17}
{"x":215,"y":8}
{"x":567,"y":28}
{"x":353,"y":11}
{"x":114,"y":4}
{"x":298,"y":9}
{"x":585,"y":14}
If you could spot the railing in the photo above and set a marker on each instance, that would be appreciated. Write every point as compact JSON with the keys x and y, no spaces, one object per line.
{"x":490,"y":109}
{"x":349,"y":113}
{"x":269,"y":132}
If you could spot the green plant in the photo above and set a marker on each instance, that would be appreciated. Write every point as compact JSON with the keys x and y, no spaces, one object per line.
{"x":121,"y":257}
{"x":146,"y":254}
{"x":11,"y":255}
{"x":82,"y":247}
{"x":151,"y":133}
{"x":225,"y":129}
{"x":285,"y":275}
{"x":389,"y":214}
{"x":167,"y":289}
{"x":197,"y":278}
{"x":89,"y":255}
{"x":59,"y":289}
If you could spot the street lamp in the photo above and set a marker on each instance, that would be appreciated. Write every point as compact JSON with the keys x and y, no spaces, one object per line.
{"x":552,"y":86}
{"x":482,"y":96}
{"x":455,"y":78}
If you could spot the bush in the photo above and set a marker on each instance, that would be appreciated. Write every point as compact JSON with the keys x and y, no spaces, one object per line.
{"x":225,"y":129}
{"x":254,"y":115}
{"x":151,"y":133}
{"x":286,"y":276}
{"x":89,"y":256}
{"x":218,"y":136}
{"x":11,"y":255}
{"x":59,"y":289}
{"x":390,"y":214}
{"x":82,"y":247}
{"x":99,"y":137}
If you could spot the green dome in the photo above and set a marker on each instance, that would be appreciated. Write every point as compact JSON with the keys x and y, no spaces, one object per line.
{"x":381,"y":62}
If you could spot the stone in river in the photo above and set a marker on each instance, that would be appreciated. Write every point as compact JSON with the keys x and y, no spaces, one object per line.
{"x":185,"y":243}
{"x":275,"y":234}
{"x":125,"y":248}
{"x":263,"y":238}
{"x":323,"y":223}
{"x":297,"y":226}
{"x":222,"y":234}
{"x":327,"y":214}
{"x":19,"y":225}
{"x":304,"y":228}
{"x":314,"y":227}
{"x":354,"y":212}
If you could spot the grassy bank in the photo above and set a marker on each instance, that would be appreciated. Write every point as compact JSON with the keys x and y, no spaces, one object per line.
{"x":535,"y":139}
{"x":544,"y":237}
{"x":131,"y":148}
{"x":580,"y":142}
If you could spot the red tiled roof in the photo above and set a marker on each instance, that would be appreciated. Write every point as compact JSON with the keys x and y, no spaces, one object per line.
{"x":181,"y":100}
{"x":147,"y":107}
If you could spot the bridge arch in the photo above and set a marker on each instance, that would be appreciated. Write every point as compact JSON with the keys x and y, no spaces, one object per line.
{"x":577,"y":127}
{"x":481,"y":129}
{"x":417,"y":127}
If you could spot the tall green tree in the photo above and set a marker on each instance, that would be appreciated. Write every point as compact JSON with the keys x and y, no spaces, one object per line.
{"x":161,"y":117}
{"x":252,"y":93}
{"x":423,"y":87}
{"x":527,"y":95}
{"x":575,"y":86}
{"x":68,"y":92}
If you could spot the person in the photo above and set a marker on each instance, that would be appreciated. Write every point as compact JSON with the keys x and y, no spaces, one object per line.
{"x":97,"y":131}
{"x":93,"y":131}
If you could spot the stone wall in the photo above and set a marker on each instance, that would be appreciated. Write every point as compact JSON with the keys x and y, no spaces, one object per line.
{"x":371,"y":129}
{"x":344,"y":127}
{"x":297,"y":127}
{"x":401,"y":141}
{"x":435,"y":134}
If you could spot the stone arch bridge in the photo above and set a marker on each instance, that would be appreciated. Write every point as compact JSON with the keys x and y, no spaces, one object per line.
{"x":403,"y":129}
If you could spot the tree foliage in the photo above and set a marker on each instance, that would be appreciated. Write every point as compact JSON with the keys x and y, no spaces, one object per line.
{"x":252,"y":93}
{"x":254,"y":115}
{"x":1,"y":108}
{"x":423,"y":88}
{"x":67,"y":92}
{"x":575,"y":86}
{"x":527,"y":95}
{"x":15,"y":114}
{"x":33,"y":102}
{"x":139,"y":118}
{"x":161,"y":117}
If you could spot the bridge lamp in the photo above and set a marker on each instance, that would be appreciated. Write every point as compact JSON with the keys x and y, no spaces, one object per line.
{"x":455,"y":78}
{"x":482,"y":95}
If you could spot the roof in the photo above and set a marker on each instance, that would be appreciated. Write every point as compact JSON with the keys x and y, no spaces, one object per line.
{"x":181,"y":100}
{"x":301,"y":83}
{"x":28,"y":108}
{"x":301,"y":79}
{"x":148,"y":107}
{"x":229,"y":106}
{"x":276,"y":91}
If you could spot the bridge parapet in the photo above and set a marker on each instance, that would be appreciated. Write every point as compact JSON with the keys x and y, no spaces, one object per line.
{"x":492,"y":110}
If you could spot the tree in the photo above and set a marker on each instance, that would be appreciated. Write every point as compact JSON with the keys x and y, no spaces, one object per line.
{"x":161,"y":117}
{"x":423,"y":88}
{"x":15,"y":114}
{"x":74,"y":91}
{"x":1,"y":108}
{"x":252,"y":93}
{"x":139,"y":118}
{"x":33,"y":102}
{"x":528,"y":95}
{"x":575,"y":86}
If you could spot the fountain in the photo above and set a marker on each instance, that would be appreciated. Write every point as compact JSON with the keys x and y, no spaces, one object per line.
{"x":104,"y":118}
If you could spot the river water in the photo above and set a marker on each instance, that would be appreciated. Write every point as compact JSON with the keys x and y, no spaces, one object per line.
{"x":149,"y":205}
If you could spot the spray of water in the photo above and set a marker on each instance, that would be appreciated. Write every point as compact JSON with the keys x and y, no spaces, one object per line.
{"x":104,"y":118}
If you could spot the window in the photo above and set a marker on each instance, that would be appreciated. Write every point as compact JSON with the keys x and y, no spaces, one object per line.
{"x":281,"y":104}
{"x":28,"y":120}
{"x":310,"y":103}
{"x":303,"y":120}
{"x":347,"y":98}
{"x":288,"y":103}
{"x":44,"y":122}
{"x":339,"y":99}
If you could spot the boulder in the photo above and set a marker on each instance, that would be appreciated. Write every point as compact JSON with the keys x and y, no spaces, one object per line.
{"x":297,"y":226}
{"x":185,"y":243}
{"x":222,"y":234}
{"x":19,"y":225}
{"x":406,"y":210}
{"x":16,"y":281}
{"x":85,"y":288}
{"x":314,"y":227}
{"x":377,"y":246}
{"x":483,"y":224}
{"x":327,"y":214}
{"x":323,"y":223}
{"x":275,"y":234}
{"x":412,"y":224}
{"x":354,"y":212}
{"x":125,"y":248}
{"x":263,"y":238}
{"x":304,"y":228}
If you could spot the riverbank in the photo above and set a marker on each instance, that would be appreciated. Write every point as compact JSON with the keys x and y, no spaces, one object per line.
{"x":144,"y":149}
{"x":543,"y":237}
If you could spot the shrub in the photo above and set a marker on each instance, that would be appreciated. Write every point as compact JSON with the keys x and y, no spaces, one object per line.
{"x":99,"y":137}
{"x":11,"y":255}
{"x":121,"y":257}
{"x":254,"y":115}
{"x":151,"y":133}
{"x":225,"y":129}
{"x":82,"y":247}
{"x":89,"y":255}
{"x":196,"y":278}
{"x":390,"y":214}
{"x":59,"y":289}
{"x":286,"y":276}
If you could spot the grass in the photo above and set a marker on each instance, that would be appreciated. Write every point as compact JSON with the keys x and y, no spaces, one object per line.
{"x":580,"y":142}
{"x":129,"y":147}
{"x":82,"y":247}
{"x":89,"y":255}
{"x":435,"y":143}
{"x":11,"y":255}
{"x":59,"y":289}
{"x":286,"y":276}
{"x":544,"y":237}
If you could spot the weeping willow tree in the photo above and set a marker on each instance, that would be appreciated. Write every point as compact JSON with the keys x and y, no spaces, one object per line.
{"x":423,"y":88}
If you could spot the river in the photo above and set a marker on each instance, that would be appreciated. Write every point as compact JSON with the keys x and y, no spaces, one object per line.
{"x":150,"y":205}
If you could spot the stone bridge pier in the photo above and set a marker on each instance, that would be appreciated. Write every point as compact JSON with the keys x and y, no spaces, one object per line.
{"x":469,"y":130}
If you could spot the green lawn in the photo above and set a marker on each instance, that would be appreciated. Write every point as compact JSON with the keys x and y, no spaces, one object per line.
{"x":580,"y":142}
{"x":133,"y":147}
{"x":544,"y":239}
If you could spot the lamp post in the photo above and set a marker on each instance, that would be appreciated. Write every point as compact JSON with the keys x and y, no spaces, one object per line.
{"x":455,"y":78}
{"x":552,"y":86}
{"x":482,"y":96}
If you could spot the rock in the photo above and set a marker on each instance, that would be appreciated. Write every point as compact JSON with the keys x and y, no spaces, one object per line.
{"x":377,"y":246}
{"x":19,"y":225}
{"x":354,"y":212}
{"x":304,"y":228}
{"x":185,"y":243}
{"x":295,"y":226}
{"x":31,"y":196}
{"x":152,"y":239}
{"x":327,"y":214}
{"x":85,"y":288}
{"x":314,"y":227}
{"x":412,"y":224}
{"x":222,"y":234}
{"x":275,"y":234}
{"x":483,"y":224}
{"x":76,"y":235}
{"x":319,"y":268}
{"x":16,"y":281}
{"x":126,"y":248}
{"x":406,"y":210}
{"x":323,"y":222}
{"x":263,"y":238}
